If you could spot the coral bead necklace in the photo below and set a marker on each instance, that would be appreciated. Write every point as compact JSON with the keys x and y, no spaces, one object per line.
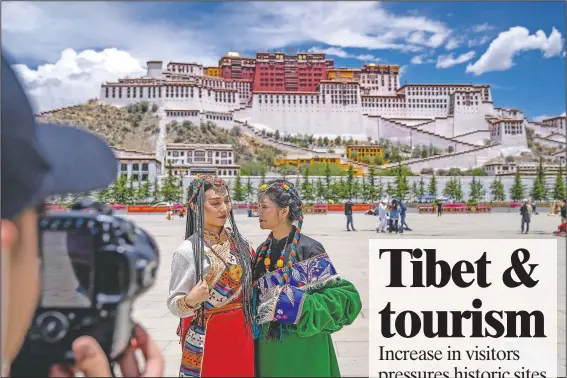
{"x":280,"y":262}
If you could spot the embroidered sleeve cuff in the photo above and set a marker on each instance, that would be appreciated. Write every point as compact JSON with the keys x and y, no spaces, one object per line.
{"x":290,"y":305}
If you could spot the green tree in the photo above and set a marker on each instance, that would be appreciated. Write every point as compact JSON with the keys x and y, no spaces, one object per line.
{"x":390,"y":190}
{"x":171,"y":191}
{"x":356,"y":190}
{"x":249,"y":190}
{"x":307,"y":188}
{"x":156,"y":192}
{"x":338,"y":191}
{"x":497,"y":190}
{"x":298,"y":184}
{"x":414,"y":191}
{"x":144,"y":191}
{"x":559,"y":186}
{"x":120,"y":190}
{"x":421,"y":188}
{"x":432,"y":188}
{"x":475,"y":194}
{"x":320,"y":191}
{"x":450,"y":188}
{"x":401,"y":185}
{"x":380,"y":189}
{"x":131,"y":190}
{"x":372,"y":192}
{"x":459,"y":194}
{"x":517,"y":189}
{"x":103,"y":195}
{"x":350,"y":182}
{"x":328,"y":178}
{"x":239,"y":191}
{"x":539,"y":191}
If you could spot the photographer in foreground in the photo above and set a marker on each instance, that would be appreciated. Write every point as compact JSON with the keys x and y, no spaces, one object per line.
{"x":37,"y":162}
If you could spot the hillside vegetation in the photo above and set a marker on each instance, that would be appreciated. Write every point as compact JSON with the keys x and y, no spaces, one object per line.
{"x":252,"y":155}
{"x":135,"y":127}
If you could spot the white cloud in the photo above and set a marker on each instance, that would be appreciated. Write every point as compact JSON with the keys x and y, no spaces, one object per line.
{"x":41,"y":30}
{"x":403,"y":70}
{"x":478,"y":41}
{"x":341,"y":53}
{"x":418,"y":59}
{"x":482,"y":28}
{"x":335,"y":51}
{"x":563,"y":54}
{"x":446,"y":61}
{"x":76,"y":77}
{"x":545,"y":116}
{"x":501,"y":51}
{"x":367,"y":57}
{"x":453,"y":43}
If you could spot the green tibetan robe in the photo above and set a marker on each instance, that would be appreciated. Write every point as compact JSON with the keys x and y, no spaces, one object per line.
{"x":297,"y":320}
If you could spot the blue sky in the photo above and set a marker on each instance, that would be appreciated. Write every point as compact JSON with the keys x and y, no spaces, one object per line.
{"x":68,"y":49}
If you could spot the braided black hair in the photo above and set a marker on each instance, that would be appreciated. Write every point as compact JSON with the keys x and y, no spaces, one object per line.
{"x":195,"y":226}
{"x":283,"y":197}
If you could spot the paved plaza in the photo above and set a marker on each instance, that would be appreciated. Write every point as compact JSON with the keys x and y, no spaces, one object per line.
{"x":349,"y":252}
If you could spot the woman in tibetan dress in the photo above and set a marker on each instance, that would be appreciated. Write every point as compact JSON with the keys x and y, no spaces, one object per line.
{"x":211,"y":287}
{"x":299,"y":298}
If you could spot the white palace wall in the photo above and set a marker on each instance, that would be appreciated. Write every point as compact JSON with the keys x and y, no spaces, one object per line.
{"x":441,"y":126}
{"x":410,"y":121}
{"x":464,"y":160}
{"x":378,"y":127}
{"x":475,"y":137}
{"x":307,"y":118}
{"x":224,"y":120}
{"x":205,"y":102}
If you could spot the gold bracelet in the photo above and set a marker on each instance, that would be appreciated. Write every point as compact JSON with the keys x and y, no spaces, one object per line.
{"x":183,"y":306}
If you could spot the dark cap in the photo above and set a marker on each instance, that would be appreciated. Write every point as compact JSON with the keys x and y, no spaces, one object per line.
{"x":40,"y":160}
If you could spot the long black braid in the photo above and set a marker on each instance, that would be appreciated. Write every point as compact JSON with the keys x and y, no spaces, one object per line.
{"x":195,"y":226}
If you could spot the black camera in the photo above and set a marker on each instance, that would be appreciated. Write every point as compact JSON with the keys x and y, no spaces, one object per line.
{"x":94,"y":266}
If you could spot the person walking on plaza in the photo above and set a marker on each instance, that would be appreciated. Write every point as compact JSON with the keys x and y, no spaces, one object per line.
{"x":563,"y":211}
{"x":403,"y":209}
{"x":381,"y":212}
{"x":526,"y":212}
{"x":439,"y":208}
{"x":394,"y":218}
{"x":348,"y":213}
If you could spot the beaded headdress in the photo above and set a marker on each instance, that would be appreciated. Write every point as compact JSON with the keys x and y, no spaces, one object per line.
{"x":195,"y":225}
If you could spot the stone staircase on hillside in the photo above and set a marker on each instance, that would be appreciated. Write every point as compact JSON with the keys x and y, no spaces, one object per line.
{"x":447,"y":156}
{"x":429,"y":133}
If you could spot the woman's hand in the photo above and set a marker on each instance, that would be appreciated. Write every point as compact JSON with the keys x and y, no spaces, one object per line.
{"x":92,"y":362}
{"x":198,"y":294}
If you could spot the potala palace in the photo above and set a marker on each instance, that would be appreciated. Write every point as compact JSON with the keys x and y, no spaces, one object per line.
{"x":306,"y":94}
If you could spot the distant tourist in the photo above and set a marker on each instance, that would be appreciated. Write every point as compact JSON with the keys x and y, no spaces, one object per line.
{"x":563,"y":211}
{"x":403,"y":209}
{"x":526,"y":212}
{"x":439,"y":208}
{"x":348,"y":213}
{"x":534,"y":210}
{"x":394,"y":218}
{"x":381,"y":213}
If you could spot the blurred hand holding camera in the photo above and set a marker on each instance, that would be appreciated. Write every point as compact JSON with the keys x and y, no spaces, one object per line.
{"x":92,"y":361}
